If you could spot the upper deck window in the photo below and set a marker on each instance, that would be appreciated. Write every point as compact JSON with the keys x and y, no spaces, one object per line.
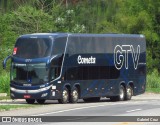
{"x":59,"y":45}
{"x":33,"y":47}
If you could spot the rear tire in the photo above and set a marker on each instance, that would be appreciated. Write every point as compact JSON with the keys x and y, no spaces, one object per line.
{"x":30,"y":101}
{"x":122,"y":93}
{"x":128,"y":93}
{"x":93,"y":99}
{"x":74,"y":95}
{"x":64,"y":97}
{"x":41,"y":101}
{"x":121,"y":96}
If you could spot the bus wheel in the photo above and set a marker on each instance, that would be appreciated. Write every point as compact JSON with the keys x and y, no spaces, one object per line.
{"x":30,"y":101}
{"x":74,"y":95}
{"x":128,"y":93}
{"x":122,"y":93}
{"x":121,"y":96}
{"x":93,"y":99}
{"x":41,"y":101}
{"x":65,"y":96}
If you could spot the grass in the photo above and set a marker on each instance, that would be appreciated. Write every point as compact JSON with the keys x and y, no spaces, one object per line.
{"x":4,"y":97}
{"x":12,"y":107}
{"x":153,"y":90}
{"x":4,"y":83}
{"x":153,"y":82}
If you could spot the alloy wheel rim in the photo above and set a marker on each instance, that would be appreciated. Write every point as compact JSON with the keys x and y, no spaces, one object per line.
{"x":129,"y":92}
{"x":75,"y":95}
{"x":65,"y":95}
{"x":121,"y":94}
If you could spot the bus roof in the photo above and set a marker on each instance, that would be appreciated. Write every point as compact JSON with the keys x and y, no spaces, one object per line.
{"x":44,"y":35}
{"x":34,"y":35}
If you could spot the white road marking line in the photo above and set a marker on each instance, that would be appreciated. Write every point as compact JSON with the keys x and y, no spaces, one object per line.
{"x":69,"y":110}
{"x":142,"y":101}
{"x":77,"y":109}
{"x":55,"y":112}
{"x":134,"y":110}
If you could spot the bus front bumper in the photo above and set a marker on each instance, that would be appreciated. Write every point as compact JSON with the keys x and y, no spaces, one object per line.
{"x":44,"y":93}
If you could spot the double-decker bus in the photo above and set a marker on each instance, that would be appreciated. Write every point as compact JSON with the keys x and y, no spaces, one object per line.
{"x":67,"y":67}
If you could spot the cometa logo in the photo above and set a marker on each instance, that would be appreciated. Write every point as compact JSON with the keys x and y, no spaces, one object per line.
{"x":84,"y":60}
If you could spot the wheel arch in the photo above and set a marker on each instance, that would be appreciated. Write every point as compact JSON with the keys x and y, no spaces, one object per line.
{"x":123,"y":84}
{"x":68,"y":86}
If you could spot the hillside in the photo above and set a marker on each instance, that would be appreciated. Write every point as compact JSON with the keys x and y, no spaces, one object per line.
{"x":81,"y":16}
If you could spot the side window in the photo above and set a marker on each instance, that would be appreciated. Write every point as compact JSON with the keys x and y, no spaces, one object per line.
{"x":91,"y":73}
{"x":56,"y":65}
{"x":59,"y":45}
{"x":54,"y":72}
{"x":114,"y":73}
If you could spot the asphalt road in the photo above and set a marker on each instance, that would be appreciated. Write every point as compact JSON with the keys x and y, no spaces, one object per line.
{"x":144,"y":107}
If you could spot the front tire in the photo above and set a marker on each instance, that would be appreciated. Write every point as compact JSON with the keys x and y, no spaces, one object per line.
{"x":30,"y":101}
{"x":74,"y":95}
{"x":41,"y":101}
{"x":65,"y":96}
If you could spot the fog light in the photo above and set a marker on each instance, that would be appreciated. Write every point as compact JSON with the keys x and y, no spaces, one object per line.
{"x":44,"y":94}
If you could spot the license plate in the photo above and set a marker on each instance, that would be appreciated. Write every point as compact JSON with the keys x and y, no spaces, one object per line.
{"x":27,"y":96}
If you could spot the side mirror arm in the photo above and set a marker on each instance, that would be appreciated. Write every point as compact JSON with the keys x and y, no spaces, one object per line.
{"x":5,"y":61}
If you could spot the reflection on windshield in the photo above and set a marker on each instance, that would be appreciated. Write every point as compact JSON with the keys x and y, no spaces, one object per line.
{"x":31,"y":73}
{"x":33,"y":47}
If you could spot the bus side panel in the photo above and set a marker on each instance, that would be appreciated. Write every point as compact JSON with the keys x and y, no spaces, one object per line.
{"x":131,"y":68}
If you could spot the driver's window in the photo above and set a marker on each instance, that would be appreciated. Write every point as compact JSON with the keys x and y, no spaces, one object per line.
{"x":54,"y":72}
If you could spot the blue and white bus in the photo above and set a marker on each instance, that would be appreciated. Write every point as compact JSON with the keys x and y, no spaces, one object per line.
{"x":67,"y":67}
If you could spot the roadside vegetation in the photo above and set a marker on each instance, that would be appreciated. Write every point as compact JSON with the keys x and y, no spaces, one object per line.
{"x":5,"y":97}
{"x":13,"y":107}
{"x":4,"y":83}
{"x":82,"y":16}
{"x":153,"y":82}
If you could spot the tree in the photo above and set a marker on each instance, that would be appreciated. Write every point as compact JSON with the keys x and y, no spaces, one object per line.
{"x":91,"y":16}
{"x":28,"y":20}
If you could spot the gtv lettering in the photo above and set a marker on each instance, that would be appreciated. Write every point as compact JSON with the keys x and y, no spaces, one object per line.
{"x":121,"y":56}
{"x":83,"y":60}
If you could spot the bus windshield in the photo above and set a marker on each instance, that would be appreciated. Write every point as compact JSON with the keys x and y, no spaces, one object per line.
{"x":33,"y":48}
{"x":29,"y":73}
